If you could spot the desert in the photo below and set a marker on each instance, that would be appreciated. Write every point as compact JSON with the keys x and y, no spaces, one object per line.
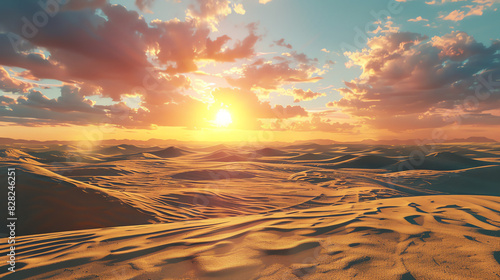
{"x":277,"y":212}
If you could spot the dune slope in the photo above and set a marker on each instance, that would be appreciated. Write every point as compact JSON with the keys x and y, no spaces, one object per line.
{"x":428,"y":237}
{"x":48,"y":202}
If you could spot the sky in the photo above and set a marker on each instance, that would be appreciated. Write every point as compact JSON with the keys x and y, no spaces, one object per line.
{"x":249,"y":70}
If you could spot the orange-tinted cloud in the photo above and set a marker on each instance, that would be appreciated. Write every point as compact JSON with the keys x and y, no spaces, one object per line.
{"x":269,"y":76}
{"x":410,"y":83}
{"x":316,"y":123}
{"x":302,"y":95}
{"x":476,"y":8}
{"x":11,"y":84}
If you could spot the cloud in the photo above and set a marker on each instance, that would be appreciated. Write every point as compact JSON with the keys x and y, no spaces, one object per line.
{"x":71,"y":107}
{"x":268,"y":75}
{"x":36,"y":109}
{"x":419,"y":18}
{"x":315,"y":123}
{"x":302,"y":95}
{"x":238,"y":8}
{"x":476,"y":8}
{"x":11,"y":84}
{"x":144,"y":5}
{"x":281,"y":43}
{"x":209,"y":12}
{"x":115,"y":52}
{"x":264,"y":1}
{"x":420,"y":83}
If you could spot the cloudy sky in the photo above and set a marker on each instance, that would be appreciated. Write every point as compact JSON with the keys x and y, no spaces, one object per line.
{"x":249,"y":69}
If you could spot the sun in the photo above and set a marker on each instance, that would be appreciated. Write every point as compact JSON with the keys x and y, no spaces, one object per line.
{"x":223,"y":118}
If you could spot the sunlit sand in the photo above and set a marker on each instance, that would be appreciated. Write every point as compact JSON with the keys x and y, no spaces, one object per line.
{"x":270,"y":212}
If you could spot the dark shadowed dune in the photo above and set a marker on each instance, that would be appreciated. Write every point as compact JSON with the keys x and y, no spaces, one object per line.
{"x":438,"y":161}
{"x":483,"y":180}
{"x":470,"y":153}
{"x":48,"y":202}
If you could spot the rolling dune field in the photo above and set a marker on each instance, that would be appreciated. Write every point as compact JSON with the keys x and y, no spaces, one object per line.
{"x":224,"y":212}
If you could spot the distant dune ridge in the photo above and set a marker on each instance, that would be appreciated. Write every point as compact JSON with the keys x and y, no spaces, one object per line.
{"x":270,"y":152}
{"x":302,"y":211}
{"x":119,"y":149}
{"x":225,"y":155}
{"x":170,"y":152}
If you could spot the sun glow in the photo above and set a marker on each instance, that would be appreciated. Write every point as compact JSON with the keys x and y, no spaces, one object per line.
{"x":223,"y":118}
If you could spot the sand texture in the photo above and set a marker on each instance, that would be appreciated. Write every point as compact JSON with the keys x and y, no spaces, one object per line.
{"x":305,"y":211}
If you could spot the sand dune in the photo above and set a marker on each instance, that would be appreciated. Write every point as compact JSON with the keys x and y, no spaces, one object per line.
{"x":122,"y":149}
{"x":482,"y":180}
{"x":429,"y":237}
{"x":310,"y":147}
{"x":270,"y":152}
{"x":336,"y":159}
{"x":170,"y":152}
{"x":15,"y":154}
{"x":311,"y":156}
{"x":213,"y":148}
{"x":213,"y":174}
{"x":49,"y":202}
{"x":18,"y":155}
{"x":297,"y":212}
{"x":64,"y":156}
{"x":439,"y":161}
{"x":369,"y":161}
{"x":226,"y":155}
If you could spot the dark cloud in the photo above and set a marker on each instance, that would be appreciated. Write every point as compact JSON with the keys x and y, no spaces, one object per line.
{"x":281,"y":43}
{"x":36,"y":109}
{"x":144,"y":5}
